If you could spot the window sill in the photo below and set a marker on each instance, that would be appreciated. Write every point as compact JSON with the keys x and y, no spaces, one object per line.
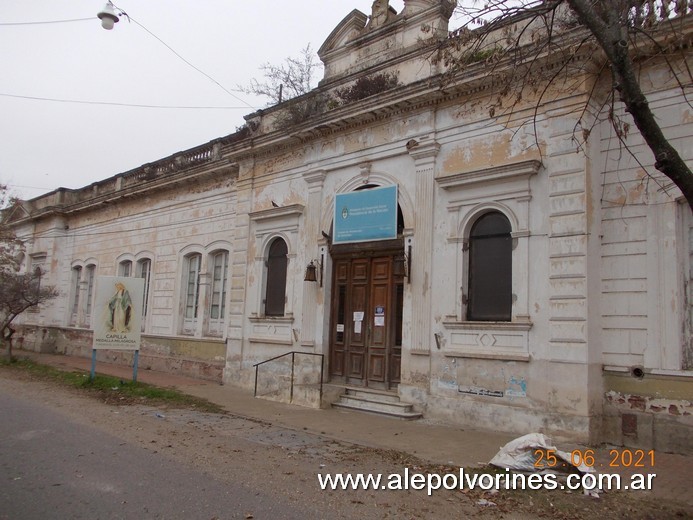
{"x":185,"y":337}
{"x":274,"y":330}
{"x":78,"y":327}
{"x":500,"y":356}
{"x":494,"y":340}
{"x":272,"y":341}
{"x":659,"y":373}
{"x":488,"y":325}
{"x":271,"y":319}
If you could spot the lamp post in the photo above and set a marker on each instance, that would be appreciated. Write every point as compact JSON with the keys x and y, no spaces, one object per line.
{"x":108,"y":16}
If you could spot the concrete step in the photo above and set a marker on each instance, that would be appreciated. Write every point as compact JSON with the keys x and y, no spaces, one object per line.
{"x":396,"y":414}
{"x":376,"y":402}
{"x":379,"y":395}
{"x":375,"y":405}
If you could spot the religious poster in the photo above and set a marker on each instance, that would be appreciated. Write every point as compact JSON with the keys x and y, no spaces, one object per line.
{"x":117,"y":314}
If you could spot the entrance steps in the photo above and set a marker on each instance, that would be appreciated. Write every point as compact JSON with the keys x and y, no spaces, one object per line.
{"x":376,"y":401}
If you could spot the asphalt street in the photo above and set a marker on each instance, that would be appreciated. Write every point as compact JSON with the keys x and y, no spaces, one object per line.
{"x":53,"y":467}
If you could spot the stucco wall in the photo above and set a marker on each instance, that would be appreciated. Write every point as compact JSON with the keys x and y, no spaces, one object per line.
{"x":203,"y":359}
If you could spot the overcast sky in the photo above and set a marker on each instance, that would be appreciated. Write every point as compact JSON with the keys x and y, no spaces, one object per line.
{"x":49,"y":144}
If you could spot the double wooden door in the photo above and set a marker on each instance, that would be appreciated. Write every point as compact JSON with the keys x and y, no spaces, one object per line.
{"x":366,"y":322}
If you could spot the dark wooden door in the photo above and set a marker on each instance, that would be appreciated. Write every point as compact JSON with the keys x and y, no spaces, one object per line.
{"x":365,"y":346}
{"x":358,"y":301}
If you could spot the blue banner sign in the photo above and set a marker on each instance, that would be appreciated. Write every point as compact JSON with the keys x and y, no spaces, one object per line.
{"x":365,"y":215}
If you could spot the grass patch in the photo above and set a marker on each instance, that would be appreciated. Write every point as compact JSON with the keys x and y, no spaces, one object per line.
{"x":111,"y":389}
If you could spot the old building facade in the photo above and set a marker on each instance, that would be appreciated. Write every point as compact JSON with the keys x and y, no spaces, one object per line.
{"x":534,"y":282}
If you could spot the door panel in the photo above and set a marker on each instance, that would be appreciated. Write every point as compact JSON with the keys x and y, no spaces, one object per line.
{"x":366,"y":322}
{"x":378,"y":311}
{"x":357,"y":339}
{"x":395,"y":351}
{"x":338,"y":338}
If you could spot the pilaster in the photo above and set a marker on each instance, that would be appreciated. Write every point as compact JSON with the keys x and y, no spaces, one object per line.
{"x":239,"y":263}
{"x":311,"y":223}
{"x":424,"y":152}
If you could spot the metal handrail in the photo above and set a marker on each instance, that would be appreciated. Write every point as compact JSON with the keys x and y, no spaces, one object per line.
{"x":293,"y":359}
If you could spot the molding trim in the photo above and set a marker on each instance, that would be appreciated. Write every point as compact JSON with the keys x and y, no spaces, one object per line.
{"x":272,"y":213}
{"x":523,"y":169}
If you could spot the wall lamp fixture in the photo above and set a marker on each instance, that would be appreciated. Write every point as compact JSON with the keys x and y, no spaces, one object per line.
{"x":401,"y":266}
{"x":313,"y":272}
{"x":439,"y":339}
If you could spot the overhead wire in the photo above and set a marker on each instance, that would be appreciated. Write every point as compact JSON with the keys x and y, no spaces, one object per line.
{"x":111,"y":103}
{"x":135,"y":105}
{"x":10,"y":185}
{"x":8,"y":24}
{"x":182,"y":58}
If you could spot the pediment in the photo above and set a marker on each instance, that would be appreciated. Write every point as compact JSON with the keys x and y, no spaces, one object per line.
{"x":16,"y":212}
{"x":346,"y":30}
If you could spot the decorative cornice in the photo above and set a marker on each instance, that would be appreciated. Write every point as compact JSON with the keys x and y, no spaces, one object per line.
{"x":119,"y":196}
{"x":315,"y":178}
{"x":185,"y":167}
{"x":423,"y":150}
{"x":283,"y":211}
{"x":504,"y":172}
{"x":429,"y":92}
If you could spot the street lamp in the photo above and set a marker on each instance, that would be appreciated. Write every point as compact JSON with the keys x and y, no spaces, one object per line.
{"x":108,"y":16}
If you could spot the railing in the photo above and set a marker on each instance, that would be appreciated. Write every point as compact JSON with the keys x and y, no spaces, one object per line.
{"x":293,"y":359}
{"x":642,"y":14}
{"x":645,"y":13}
{"x":198,"y":155}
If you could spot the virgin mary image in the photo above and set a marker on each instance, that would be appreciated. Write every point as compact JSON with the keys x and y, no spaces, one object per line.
{"x":120,"y":310}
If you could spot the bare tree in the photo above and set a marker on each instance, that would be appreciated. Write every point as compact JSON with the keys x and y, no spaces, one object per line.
{"x":291,"y":79}
{"x":19,"y":291}
{"x":10,"y":247}
{"x":514,"y":38}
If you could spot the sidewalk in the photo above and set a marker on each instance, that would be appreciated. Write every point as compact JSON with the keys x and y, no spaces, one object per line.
{"x":432,"y":442}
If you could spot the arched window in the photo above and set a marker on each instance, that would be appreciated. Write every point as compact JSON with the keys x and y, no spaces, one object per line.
{"x":91,"y":274}
{"x":144,"y":271}
{"x":192,"y":283}
{"x":76,"y":282}
{"x":219,"y":265}
{"x":490,"y":269}
{"x":125,"y":268}
{"x":275,"y":295}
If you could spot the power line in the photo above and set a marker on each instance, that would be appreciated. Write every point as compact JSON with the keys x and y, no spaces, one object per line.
{"x":28,"y":187}
{"x":7,"y":24}
{"x":125,"y":104}
{"x":183,"y":59}
{"x":112,"y":103}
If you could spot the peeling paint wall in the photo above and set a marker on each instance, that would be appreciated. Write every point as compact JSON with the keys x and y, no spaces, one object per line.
{"x":201,"y":359}
{"x":648,"y":410}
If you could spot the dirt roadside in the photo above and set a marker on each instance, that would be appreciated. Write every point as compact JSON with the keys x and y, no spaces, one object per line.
{"x":266,"y":457}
